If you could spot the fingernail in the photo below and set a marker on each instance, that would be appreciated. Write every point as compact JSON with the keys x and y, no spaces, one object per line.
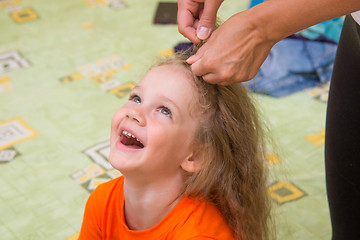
{"x":203,"y":33}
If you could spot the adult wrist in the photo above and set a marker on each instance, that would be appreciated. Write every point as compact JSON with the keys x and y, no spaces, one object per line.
{"x":268,"y":18}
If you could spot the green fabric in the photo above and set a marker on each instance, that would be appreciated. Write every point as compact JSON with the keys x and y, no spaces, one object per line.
{"x":64,"y":114}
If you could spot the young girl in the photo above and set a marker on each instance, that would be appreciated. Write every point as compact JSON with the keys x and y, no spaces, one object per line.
{"x":191,"y":156}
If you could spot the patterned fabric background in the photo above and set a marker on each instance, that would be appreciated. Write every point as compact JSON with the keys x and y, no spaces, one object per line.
{"x":67,"y":66}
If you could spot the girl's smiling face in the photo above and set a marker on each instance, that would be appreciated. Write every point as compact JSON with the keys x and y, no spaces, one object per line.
{"x":151,"y":135}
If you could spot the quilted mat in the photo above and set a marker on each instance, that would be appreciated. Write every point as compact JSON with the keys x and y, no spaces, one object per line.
{"x":67,"y":66}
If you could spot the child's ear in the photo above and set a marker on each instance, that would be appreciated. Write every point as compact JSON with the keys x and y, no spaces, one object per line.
{"x":193,"y":163}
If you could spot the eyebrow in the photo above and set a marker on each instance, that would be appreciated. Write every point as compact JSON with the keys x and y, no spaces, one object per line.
{"x":166,"y":99}
{"x":136,"y":87}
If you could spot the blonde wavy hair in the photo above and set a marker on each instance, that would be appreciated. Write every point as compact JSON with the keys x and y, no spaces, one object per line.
{"x":231,"y":140}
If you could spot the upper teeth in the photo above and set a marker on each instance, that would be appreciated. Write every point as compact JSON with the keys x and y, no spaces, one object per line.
{"x":128,"y":135}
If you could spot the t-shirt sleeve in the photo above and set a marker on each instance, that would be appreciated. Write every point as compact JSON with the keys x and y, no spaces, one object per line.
{"x":90,"y":228}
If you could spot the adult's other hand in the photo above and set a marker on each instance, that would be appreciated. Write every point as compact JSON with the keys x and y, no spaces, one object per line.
{"x":234,"y":52}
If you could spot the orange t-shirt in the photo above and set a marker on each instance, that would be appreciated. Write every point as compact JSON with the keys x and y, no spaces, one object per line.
{"x":189,"y":219}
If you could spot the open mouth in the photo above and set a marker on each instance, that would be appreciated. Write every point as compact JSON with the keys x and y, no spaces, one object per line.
{"x":130,"y":140}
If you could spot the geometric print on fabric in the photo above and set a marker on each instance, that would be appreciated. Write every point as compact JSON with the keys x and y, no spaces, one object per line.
{"x":24,"y":15}
{"x":100,"y":171}
{"x":283,"y":192}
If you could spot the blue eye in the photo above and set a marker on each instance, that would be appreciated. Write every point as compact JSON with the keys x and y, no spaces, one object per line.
{"x":166,"y":111}
{"x":135,"y":98}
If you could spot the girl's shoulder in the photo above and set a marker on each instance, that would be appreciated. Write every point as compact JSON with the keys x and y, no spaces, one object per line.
{"x":208,"y":218}
{"x":102,"y":208}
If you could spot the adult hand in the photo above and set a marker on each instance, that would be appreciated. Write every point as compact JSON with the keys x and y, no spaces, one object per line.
{"x":233,"y":53}
{"x":196,"y":18}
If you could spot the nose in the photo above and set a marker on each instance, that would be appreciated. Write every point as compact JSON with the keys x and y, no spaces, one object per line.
{"x":136,"y":115}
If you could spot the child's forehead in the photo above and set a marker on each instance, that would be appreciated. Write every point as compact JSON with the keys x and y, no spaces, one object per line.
{"x":169,"y":74}
{"x":173,"y":67}
{"x":174,"y":81}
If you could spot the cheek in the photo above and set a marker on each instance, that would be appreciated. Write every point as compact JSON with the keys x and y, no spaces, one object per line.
{"x":171,"y":139}
{"x":115,"y":122}
{"x":160,"y":134}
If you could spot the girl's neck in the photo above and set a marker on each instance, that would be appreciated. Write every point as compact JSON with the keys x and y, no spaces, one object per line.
{"x":148,"y":203}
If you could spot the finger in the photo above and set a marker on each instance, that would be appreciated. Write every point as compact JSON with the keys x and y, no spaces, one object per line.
{"x":196,"y":24}
{"x":199,"y":67}
{"x":185,"y":25}
{"x":211,"y":78}
{"x":207,"y":19}
{"x":186,"y":17}
{"x":192,"y":59}
{"x":199,"y":54}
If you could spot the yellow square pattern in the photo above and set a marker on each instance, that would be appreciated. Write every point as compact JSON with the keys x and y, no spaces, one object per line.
{"x":15,"y":131}
{"x":72,"y":77}
{"x":272,"y":158}
{"x":24,"y":15}
{"x":93,"y":3}
{"x":127,"y":67}
{"x":74,"y":237}
{"x":9,"y":3}
{"x":317,"y":139}
{"x":283,"y":192}
{"x":88,"y":173}
{"x":103,"y":78}
{"x":123,"y":90}
{"x":4,"y":79}
{"x":167,"y":52}
{"x":5,"y":84}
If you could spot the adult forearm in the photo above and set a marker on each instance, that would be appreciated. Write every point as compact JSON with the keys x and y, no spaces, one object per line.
{"x":236,"y":50}
{"x":281,"y":18}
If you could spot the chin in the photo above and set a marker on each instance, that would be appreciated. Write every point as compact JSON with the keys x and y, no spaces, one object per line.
{"x":121,"y":163}
{"x":115,"y":161}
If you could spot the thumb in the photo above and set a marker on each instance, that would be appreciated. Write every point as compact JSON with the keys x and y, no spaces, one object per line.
{"x":207,"y":19}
